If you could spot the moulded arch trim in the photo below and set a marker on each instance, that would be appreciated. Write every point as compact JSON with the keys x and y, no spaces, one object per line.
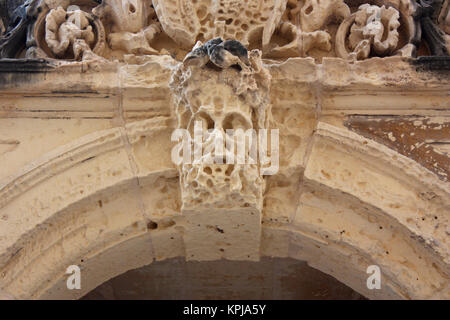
{"x":114,"y":236}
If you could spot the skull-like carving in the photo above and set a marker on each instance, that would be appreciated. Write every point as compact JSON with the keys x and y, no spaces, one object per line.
{"x":209,"y":99}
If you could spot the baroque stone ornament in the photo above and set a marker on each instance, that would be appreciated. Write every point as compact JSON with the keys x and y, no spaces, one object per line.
{"x":132,"y":25}
{"x":132,"y":29}
{"x":68,"y":28}
{"x":224,"y":98}
{"x":314,"y":15}
{"x":303,"y":26}
{"x":86,"y":144}
{"x":374,"y":29}
{"x":246,"y":21}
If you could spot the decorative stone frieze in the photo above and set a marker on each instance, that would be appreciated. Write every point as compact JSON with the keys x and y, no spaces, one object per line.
{"x":279,"y":28}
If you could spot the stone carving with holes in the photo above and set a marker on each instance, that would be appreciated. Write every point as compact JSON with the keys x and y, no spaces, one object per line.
{"x":187,"y":21}
{"x":314,"y":15}
{"x":279,"y":28}
{"x":372,"y":29}
{"x":133,"y":25}
{"x":69,"y":29}
{"x":221,"y":99}
{"x":304,"y":23}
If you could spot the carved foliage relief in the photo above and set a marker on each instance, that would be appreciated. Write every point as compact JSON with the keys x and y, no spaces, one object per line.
{"x":118,"y":29}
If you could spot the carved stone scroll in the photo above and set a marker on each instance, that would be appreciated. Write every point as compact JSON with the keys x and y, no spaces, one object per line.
{"x":67,"y":33}
{"x":68,"y":28}
{"x":304,"y":24}
{"x":371,"y":30}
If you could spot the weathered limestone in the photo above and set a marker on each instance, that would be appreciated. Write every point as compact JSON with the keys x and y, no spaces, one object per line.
{"x":106,"y":196}
{"x":280,"y":28}
{"x":222,"y":202}
{"x":85,"y":140}
{"x":132,"y":28}
{"x":367,"y":28}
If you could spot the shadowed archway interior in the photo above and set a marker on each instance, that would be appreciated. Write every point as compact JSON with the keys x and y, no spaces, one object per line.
{"x":271,"y":278}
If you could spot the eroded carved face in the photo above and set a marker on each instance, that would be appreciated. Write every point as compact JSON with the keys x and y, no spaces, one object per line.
{"x":219,"y":101}
{"x":214,"y":110}
{"x":249,"y":21}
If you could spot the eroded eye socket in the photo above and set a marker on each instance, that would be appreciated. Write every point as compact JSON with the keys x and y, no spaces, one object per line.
{"x":131,"y":8}
{"x":235,"y":121}
{"x":205,"y":119}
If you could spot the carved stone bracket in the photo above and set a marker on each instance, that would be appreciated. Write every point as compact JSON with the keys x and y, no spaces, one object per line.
{"x":221,"y":99}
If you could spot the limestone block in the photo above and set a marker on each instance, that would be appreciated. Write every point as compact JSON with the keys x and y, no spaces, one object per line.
{"x":275,"y":242}
{"x":232,"y":234}
{"x":146,"y":92}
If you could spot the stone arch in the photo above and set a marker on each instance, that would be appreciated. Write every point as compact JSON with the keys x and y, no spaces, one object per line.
{"x":343,"y":222}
